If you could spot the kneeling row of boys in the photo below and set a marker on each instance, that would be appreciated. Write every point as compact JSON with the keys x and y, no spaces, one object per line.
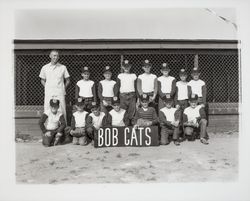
{"x":172,"y":121}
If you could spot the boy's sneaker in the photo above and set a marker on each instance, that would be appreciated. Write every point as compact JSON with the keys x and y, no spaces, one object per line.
{"x":177,"y":143}
{"x":204,"y":141}
{"x":56,"y":141}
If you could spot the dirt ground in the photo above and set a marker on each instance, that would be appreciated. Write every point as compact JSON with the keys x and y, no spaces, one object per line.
{"x":190,"y":162}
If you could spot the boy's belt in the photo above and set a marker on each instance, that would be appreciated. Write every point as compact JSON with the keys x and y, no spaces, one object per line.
{"x":128,"y":93}
{"x":88,"y":98}
{"x":149,"y":93}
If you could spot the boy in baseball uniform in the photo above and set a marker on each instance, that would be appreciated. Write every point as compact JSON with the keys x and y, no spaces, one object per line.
{"x":147,"y":83}
{"x":94,"y":121}
{"x":126,"y":86}
{"x":145,"y":115}
{"x":181,"y":96}
{"x":52,"y":124}
{"x":169,"y":118}
{"x":117,"y":116}
{"x":198,"y":86}
{"x":86,"y":89}
{"x":194,"y":120}
{"x":78,"y":124}
{"x":107,"y":90}
{"x":166,"y":84}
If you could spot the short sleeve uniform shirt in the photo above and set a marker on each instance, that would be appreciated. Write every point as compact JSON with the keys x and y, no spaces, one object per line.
{"x":54,"y":76}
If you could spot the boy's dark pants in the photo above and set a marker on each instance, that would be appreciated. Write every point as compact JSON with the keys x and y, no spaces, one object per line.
{"x":128,"y":103}
{"x":88,"y":103}
{"x":49,"y":141}
{"x":108,"y":108}
{"x":189,"y":130}
{"x":183,"y":105}
{"x":200,"y":101}
{"x":166,"y":131}
{"x":91,"y":130}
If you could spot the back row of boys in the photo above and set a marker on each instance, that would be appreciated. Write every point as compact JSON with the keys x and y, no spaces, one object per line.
{"x":118,"y":105}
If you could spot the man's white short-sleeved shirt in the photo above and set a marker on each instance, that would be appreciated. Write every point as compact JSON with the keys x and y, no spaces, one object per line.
{"x":54,"y":76}
{"x":147,"y":82}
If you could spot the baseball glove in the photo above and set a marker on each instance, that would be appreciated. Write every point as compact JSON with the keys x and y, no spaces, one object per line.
{"x":143,"y":122}
{"x":78,"y":132}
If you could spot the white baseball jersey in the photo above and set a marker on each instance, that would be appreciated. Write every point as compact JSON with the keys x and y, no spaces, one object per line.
{"x":193,"y":113}
{"x":52,"y":122}
{"x":108,"y":88}
{"x":80,"y":118}
{"x":182,"y":90}
{"x":196,"y":87}
{"x":166,"y":83}
{"x":127,"y":82}
{"x":169,"y":113}
{"x":97,"y":120}
{"x":147,"y":82}
{"x":117,"y":117}
{"x":85,"y":87}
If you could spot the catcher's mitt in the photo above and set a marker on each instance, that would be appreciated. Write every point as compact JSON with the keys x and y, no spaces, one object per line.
{"x":143,"y":122}
{"x":78,"y":132}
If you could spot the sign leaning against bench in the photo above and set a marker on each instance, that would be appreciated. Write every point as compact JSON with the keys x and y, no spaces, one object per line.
{"x":126,"y":136}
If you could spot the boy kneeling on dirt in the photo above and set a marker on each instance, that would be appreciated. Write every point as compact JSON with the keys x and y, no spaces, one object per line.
{"x":117,"y":117}
{"x":52,"y":124}
{"x":78,"y":124}
{"x":169,"y":118}
{"x":94,"y":121}
{"x":194,"y":120}
{"x":145,"y":115}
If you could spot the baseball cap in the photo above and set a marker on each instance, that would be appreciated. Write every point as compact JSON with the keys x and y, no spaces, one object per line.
{"x":165,"y":66}
{"x":167,"y":98}
{"x":144,"y":97}
{"x":115,"y":100}
{"x":126,"y":64}
{"x":94,"y":106}
{"x":195,"y":70}
{"x":107,"y":69}
{"x":146,"y":63}
{"x":193,"y":97}
{"x":85,"y":69}
{"x":183,"y":72}
{"x":54,"y":102}
{"x":79,"y":101}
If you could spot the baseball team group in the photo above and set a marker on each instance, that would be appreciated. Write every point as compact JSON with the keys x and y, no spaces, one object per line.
{"x":178,"y":108}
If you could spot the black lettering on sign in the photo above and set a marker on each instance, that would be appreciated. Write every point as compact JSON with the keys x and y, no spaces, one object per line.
{"x":126,"y":136}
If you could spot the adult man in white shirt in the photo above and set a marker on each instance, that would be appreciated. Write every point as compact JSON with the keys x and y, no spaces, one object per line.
{"x":53,"y":75}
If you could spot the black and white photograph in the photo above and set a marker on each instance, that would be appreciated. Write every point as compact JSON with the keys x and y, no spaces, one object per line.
{"x":104,"y":96}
